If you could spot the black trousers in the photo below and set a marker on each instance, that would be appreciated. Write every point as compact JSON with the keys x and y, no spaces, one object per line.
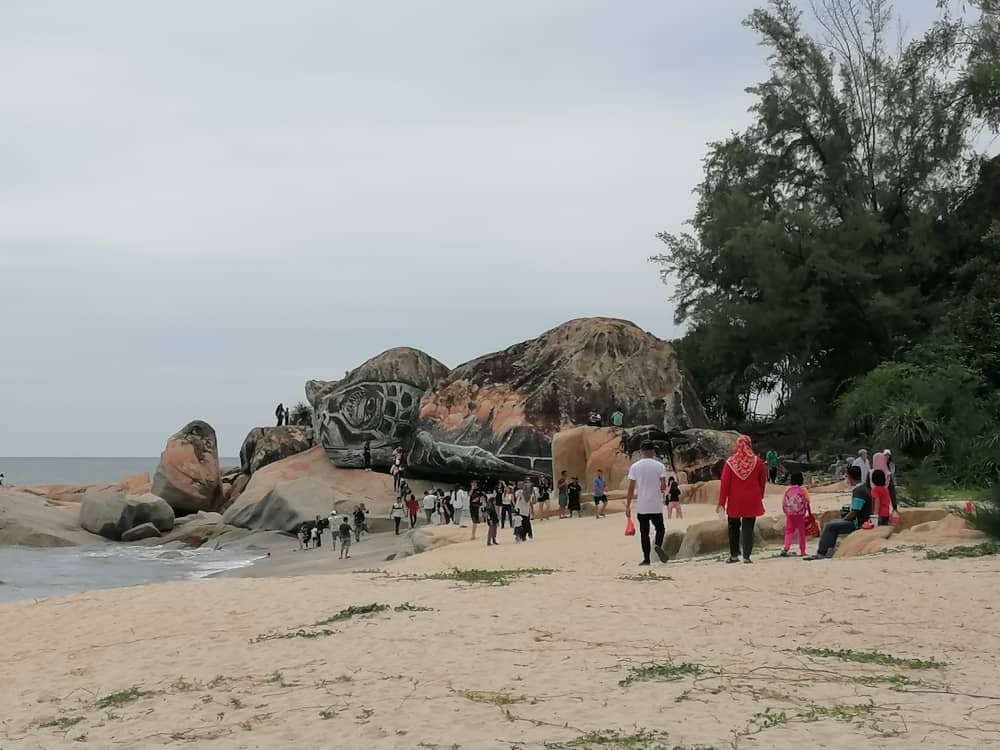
{"x":833,"y":530}
{"x":741,"y":531}
{"x":397,"y":520}
{"x":413,"y":520}
{"x":645,"y":519}
{"x":506,"y":515}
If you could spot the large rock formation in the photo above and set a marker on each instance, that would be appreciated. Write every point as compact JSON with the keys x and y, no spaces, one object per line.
{"x":285,"y":507}
{"x":497,"y":414}
{"x":110,"y":513}
{"x":265,"y":445}
{"x":377,"y":403}
{"x":512,"y":402}
{"x":28,"y":519}
{"x":188,"y":474}
{"x":331,"y":487}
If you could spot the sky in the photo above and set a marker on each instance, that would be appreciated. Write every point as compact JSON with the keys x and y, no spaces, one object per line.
{"x":204,"y":205}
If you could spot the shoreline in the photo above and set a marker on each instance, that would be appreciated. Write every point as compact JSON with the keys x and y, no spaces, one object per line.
{"x":397,"y":659}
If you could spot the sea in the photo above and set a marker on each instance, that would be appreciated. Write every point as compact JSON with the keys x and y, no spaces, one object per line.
{"x":29,"y":573}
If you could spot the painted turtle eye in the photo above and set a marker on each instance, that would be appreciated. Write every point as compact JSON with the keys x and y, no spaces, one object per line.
{"x":362,"y":408}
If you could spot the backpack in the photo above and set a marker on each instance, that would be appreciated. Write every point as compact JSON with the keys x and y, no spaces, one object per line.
{"x":795,"y":502}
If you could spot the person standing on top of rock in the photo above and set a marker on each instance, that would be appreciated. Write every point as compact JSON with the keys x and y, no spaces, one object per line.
{"x":366,"y":454}
{"x":397,"y":470}
{"x":741,"y":496}
{"x":279,"y":413}
{"x":772,"y":466}
{"x":647,"y":484}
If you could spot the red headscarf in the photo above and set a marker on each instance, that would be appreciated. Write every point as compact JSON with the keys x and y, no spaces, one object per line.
{"x":743,"y":460}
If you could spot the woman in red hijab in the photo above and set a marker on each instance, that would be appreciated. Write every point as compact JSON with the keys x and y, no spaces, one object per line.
{"x":742,"y":496}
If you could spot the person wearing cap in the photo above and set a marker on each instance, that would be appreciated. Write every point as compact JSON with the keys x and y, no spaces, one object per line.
{"x":647,"y":484}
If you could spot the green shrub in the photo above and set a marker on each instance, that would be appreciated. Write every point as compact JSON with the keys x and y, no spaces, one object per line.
{"x":985,"y":516}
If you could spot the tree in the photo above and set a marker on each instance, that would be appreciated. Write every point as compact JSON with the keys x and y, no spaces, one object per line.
{"x":817,"y":246}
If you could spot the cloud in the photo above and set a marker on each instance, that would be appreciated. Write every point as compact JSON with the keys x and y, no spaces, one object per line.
{"x":204,"y":204}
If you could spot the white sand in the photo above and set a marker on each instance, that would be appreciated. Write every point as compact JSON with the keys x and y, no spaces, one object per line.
{"x":558,"y":645}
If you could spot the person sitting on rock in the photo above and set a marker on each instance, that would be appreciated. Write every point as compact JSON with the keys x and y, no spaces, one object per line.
{"x":861,"y":510}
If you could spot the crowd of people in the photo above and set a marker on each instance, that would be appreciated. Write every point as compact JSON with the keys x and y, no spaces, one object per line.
{"x":499,"y":504}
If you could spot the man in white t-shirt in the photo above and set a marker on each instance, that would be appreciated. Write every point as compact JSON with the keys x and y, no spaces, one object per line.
{"x":429,"y":504}
{"x":647,"y":484}
{"x":864,"y":464}
{"x":459,"y":502}
{"x":524,"y":505}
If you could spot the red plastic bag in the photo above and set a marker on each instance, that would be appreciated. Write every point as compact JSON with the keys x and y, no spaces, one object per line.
{"x":630,"y":528}
{"x":812,"y":525}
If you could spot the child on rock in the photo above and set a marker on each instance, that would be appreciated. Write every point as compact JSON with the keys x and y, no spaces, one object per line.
{"x":796,"y":508}
{"x":881,"y":498}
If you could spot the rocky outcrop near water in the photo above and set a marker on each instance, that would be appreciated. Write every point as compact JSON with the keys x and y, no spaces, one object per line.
{"x":28,"y":519}
{"x":188,"y":475}
{"x":111,"y":513}
{"x":497,"y":414}
{"x":265,"y":445}
{"x":303,"y":486}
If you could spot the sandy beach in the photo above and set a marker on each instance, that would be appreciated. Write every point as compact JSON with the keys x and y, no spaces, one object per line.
{"x":552,"y":660}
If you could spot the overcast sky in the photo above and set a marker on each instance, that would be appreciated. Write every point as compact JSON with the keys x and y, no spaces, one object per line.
{"x":205,"y":204}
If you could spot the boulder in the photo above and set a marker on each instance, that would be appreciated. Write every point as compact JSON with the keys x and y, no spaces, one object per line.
{"x":30,"y":520}
{"x":138,"y":484}
{"x":863,"y":542}
{"x":188,"y":475}
{"x":285,"y":507}
{"x":701,"y":453}
{"x":511,"y":403}
{"x":672,"y":543}
{"x":265,"y":445}
{"x":946,"y":531}
{"x":706,"y":537}
{"x":142,"y":531}
{"x":701,"y":493}
{"x":346,"y":486}
{"x":110,"y":513}
{"x":581,"y":451}
{"x":910,"y":517}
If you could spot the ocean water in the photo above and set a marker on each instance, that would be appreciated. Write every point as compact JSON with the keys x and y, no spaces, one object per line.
{"x":26,"y":472}
{"x":27,"y":573}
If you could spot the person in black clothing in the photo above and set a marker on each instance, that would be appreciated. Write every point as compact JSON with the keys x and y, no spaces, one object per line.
{"x":367,"y":455}
{"x":359,"y":523}
{"x":861,"y":511}
{"x":573,"y":491}
{"x":279,"y":413}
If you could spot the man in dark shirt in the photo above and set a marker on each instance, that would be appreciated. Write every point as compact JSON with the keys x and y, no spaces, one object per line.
{"x":861,"y":510}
